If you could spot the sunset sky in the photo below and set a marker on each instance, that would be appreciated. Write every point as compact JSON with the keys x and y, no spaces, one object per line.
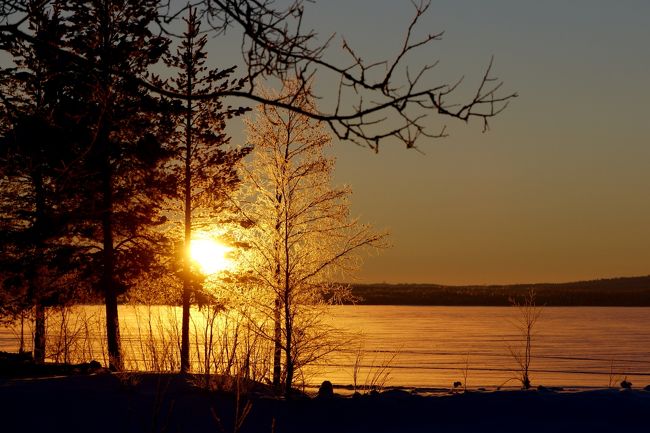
{"x":558,"y":190}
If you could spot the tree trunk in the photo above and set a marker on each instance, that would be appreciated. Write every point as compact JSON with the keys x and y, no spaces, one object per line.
{"x":112,"y":328}
{"x":108,"y":282}
{"x":36,"y":283}
{"x":185,"y":327}
{"x":289,"y":361}
{"x":288,"y":323}
{"x":110,"y":297}
{"x":106,"y":172}
{"x":287,"y":301}
{"x":21,"y":349}
{"x":277,"y":313}
{"x":39,"y":333}
{"x":277,"y":344}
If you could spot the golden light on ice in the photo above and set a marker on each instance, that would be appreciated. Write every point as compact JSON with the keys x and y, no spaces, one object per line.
{"x":210,"y":255}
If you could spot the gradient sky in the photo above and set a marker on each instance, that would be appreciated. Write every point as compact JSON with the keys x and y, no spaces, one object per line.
{"x":558,"y":190}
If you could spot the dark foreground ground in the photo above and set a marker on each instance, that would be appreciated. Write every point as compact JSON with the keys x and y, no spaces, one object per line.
{"x":98,"y":403}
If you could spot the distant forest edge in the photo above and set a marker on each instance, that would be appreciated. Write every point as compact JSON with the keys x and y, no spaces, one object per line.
{"x":626,"y":292}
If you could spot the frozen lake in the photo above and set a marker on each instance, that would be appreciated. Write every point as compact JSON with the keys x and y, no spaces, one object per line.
{"x":419,"y":346}
{"x":572,"y":346}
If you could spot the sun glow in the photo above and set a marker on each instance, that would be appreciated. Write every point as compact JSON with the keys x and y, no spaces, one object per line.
{"x":210,"y":255}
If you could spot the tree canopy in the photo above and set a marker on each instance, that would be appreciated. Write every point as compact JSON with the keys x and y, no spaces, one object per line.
{"x":85,"y":120}
{"x":275,"y":44}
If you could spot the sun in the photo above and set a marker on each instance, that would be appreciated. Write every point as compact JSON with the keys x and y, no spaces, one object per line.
{"x":210,"y":255}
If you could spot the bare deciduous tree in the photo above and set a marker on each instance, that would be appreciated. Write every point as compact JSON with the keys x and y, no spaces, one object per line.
{"x":302,"y":233}
{"x":527,"y":317}
{"x":275,"y":44}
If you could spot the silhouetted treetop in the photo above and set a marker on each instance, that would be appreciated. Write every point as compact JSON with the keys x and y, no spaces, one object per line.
{"x":374,"y":103}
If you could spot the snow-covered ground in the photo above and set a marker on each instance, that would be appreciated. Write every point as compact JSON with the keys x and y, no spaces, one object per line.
{"x":156,"y":403}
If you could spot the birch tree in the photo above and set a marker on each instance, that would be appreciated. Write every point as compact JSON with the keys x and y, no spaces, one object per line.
{"x":303,"y":236}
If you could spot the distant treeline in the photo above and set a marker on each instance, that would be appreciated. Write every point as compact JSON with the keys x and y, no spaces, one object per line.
{"x":628,"y":292}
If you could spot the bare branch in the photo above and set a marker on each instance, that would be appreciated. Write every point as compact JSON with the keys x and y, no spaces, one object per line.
{"x":275,"y":44}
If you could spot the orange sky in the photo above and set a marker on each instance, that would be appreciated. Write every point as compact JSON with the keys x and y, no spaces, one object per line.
{"x":558,"y":190}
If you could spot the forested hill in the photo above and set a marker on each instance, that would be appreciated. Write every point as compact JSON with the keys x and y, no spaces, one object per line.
{"x":630,"y":291}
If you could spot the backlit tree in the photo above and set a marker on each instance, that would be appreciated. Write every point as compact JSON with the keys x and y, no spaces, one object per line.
{"x":111,"y":44}
{"x":110,"y":41}
{"x":37,"y":199}
{"x":302,"y":236}
{"x":208,"y":169}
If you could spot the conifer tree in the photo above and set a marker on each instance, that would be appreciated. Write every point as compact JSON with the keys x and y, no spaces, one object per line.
{"x":208,"y":169}
{"x":36,"y":200}
{"x":124,"y":154}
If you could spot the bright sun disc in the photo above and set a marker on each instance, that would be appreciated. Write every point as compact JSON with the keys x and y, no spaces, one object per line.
{"x":210,"y":255}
